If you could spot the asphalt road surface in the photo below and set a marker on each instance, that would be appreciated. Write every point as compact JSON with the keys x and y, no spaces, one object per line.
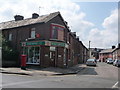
{"x":102,"y":76}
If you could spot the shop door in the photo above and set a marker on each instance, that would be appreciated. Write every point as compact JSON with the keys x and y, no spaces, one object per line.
{"x":52,"y":57}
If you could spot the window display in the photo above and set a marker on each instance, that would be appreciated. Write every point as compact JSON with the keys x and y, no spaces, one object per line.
{"x":33,"y":55}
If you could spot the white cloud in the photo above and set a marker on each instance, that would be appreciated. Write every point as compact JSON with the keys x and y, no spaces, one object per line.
{"x":71,"y":13}
{"x":111,"y":21}
{"x":109,"y":35}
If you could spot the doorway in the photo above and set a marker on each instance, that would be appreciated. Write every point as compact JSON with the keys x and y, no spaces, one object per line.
{"x":52,"y":58}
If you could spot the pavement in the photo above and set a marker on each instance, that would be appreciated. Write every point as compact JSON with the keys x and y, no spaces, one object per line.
{"x":50,"y":71}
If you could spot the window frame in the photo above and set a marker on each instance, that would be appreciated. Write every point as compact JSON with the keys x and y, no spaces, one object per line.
{"x":58,"y":28}
{"x":32,"y":30}
{"x":10,"y":37}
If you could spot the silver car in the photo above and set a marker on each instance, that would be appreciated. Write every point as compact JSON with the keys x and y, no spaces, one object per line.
{"x":110,"y":61}
{"x":91,"y":62}
{"x":116,"y":63}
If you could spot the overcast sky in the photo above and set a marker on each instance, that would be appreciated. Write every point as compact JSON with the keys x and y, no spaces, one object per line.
{"x":94,"y":21}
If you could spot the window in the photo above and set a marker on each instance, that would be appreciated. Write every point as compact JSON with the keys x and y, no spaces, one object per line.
{"x":33,"y":33}
{"x":57,"y":32}
{"x":54,"y":32}
{"x":33,"y":55}
{"x":10,"y":37}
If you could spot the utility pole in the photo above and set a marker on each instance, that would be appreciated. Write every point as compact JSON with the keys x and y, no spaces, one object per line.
{"x":89,"y":49}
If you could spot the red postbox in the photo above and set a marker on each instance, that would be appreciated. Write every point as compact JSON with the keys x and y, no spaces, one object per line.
{"x":23,"y":61}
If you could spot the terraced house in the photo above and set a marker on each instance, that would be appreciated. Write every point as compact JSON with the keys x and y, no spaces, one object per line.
{"x":46,"y":40}
{"x":113,"y":53}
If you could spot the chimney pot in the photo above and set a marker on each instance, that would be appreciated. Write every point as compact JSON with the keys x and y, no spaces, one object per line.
{"x":35,"y":15}
{"x":113,"y":47}
{"x":18,"y":17}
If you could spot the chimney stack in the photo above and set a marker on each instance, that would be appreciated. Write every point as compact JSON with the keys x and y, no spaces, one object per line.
{"x":35,"y":15}
{"x":113,"y":47}
{"x":66,"y":22}
{"x":77,"y":38}
{"x":74,"y":33}
{"x":118,"y":45}
{"x":18,"y":17}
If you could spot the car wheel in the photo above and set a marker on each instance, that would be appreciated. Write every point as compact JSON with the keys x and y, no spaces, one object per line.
{"x":117,"y":65}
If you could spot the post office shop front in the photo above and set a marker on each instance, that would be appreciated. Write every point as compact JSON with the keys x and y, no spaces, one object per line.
{"x":46,"y":53}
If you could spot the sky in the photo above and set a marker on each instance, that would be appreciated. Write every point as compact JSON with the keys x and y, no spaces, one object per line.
{"x":93,"y":21}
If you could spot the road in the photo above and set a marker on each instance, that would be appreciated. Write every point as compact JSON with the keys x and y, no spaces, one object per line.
{"x":102,"y":76}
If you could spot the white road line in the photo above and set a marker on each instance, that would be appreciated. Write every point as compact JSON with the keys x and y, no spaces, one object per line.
{"x":115,"y":85}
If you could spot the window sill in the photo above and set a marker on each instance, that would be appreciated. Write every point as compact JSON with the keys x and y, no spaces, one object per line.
{"x":30,"y":38}
{"x":33,"y":63}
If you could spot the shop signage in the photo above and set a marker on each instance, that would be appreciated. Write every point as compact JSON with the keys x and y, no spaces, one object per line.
{"x":37,"y":35}
{"x":46,"y":43}
{"x":52,"y":48}
{"x":57,"y":44}
{"x":35,"y":43}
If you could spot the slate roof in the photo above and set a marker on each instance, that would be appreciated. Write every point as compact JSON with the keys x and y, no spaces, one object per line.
{"x":108,"y":50}
{"x":28,"y":21}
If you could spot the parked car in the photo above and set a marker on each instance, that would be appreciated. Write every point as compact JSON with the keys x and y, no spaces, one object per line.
{"x":91,"y":62}
{"x":116,"y":63}
{"x":109,"y":61}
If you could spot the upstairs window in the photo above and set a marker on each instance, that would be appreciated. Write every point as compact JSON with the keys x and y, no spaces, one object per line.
{"x":57,"y":32}
{"x":33,"y":33}
{"x":10,"y":37}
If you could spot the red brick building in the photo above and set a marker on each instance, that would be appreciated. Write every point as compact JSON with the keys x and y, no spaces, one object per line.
{"x":46,"y":40}
{"x":116,"y":53}
{"x":107,"y":53}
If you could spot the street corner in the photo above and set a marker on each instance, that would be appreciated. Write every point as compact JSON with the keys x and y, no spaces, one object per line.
{"x":15,"y":71}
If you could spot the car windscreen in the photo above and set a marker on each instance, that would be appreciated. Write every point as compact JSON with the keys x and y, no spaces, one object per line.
{"x":119,"y":61}
{"x":90,"y":60}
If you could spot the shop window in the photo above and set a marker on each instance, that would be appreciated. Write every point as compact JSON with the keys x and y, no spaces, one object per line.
{"x":57,"y":32}
{"x":33,"y":55}
{"x":10,"y":37}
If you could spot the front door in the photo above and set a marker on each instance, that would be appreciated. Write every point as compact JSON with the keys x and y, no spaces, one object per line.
{"x":52,"y":58}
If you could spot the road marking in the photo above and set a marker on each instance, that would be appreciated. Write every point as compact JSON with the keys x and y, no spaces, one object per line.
{"x":115,"y":85}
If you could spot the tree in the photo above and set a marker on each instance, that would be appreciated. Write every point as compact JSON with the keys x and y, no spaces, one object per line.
{"x":9,"y":54}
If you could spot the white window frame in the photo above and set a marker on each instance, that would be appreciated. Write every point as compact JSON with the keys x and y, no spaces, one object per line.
{"x":32,"y":33}
{"x":33,"y":58}
{"x":10,"y":36}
